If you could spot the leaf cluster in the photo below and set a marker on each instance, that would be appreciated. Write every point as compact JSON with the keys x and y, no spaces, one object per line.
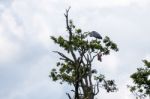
{"x":79,"y":42}
{"x":108,"y":85}
{"x":141,"y":79}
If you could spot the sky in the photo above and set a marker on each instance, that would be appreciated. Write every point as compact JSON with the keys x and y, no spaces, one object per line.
{"x":26,"y":56}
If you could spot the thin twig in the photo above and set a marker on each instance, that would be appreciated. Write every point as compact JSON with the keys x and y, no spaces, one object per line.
{"x":64,"y":56}
{"x":68,"y":95}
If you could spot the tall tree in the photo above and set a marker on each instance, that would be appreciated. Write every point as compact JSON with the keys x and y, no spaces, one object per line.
{"x":76,"y":68}
{"x":141,"y":80}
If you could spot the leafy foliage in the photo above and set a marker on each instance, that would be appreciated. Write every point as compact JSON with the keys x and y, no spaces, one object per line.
{"x":75,"y":68}
{"x":141,"y":79}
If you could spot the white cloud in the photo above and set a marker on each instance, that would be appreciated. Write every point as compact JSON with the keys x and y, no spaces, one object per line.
{"x":147,"y":57}
{"x":40,"y":89}
{"x":106,"y":3}
{"x":9,"y":30}
{"x":100,"y":3}
{"x":34,"y":20}
{"x":111,"y":62}
{"x":10,"y":24}
{"x":36,"y":83}
{"x":42,"y":31}
{"x":5,"y":3}
{"x":8,"y":50}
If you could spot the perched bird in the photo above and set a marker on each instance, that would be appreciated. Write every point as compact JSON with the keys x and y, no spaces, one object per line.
{"x":95,"y":34}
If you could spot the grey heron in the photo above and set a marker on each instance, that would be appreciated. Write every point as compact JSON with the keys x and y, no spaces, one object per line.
{"x":95,"y":34}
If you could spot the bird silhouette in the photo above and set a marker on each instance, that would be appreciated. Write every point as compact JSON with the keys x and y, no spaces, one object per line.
{"x":95,"y":34}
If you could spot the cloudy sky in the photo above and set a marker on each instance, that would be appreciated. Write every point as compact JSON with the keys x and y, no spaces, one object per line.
{"x":25,"y":47}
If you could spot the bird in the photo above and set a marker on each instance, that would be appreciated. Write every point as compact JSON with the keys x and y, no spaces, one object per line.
{"x":95,"y":34}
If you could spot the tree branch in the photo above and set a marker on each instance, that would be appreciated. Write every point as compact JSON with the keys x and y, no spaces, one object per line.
{"x":64,"y":56}
{"x":97,"y":86}
{"x":73,"y":54}
{"x":68,"y":95}
{"x":93,"y":57}
{"x":67,"y":23}
{"x":70,"y":32}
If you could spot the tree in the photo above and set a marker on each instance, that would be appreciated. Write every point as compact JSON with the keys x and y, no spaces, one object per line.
{"x":141,"y":80}
{"x":75,"y":68}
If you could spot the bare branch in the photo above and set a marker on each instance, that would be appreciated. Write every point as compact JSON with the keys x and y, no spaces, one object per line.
{"x":93,"y":57}
{"x":68,"y":95}
{"x":64,"y":56}
{"x":67,"y":23}
{"x":97,"y":86}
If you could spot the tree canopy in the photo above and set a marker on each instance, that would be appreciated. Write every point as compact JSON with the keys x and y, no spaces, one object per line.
{"x":76,"y":68}
{"x":141,"y":80}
